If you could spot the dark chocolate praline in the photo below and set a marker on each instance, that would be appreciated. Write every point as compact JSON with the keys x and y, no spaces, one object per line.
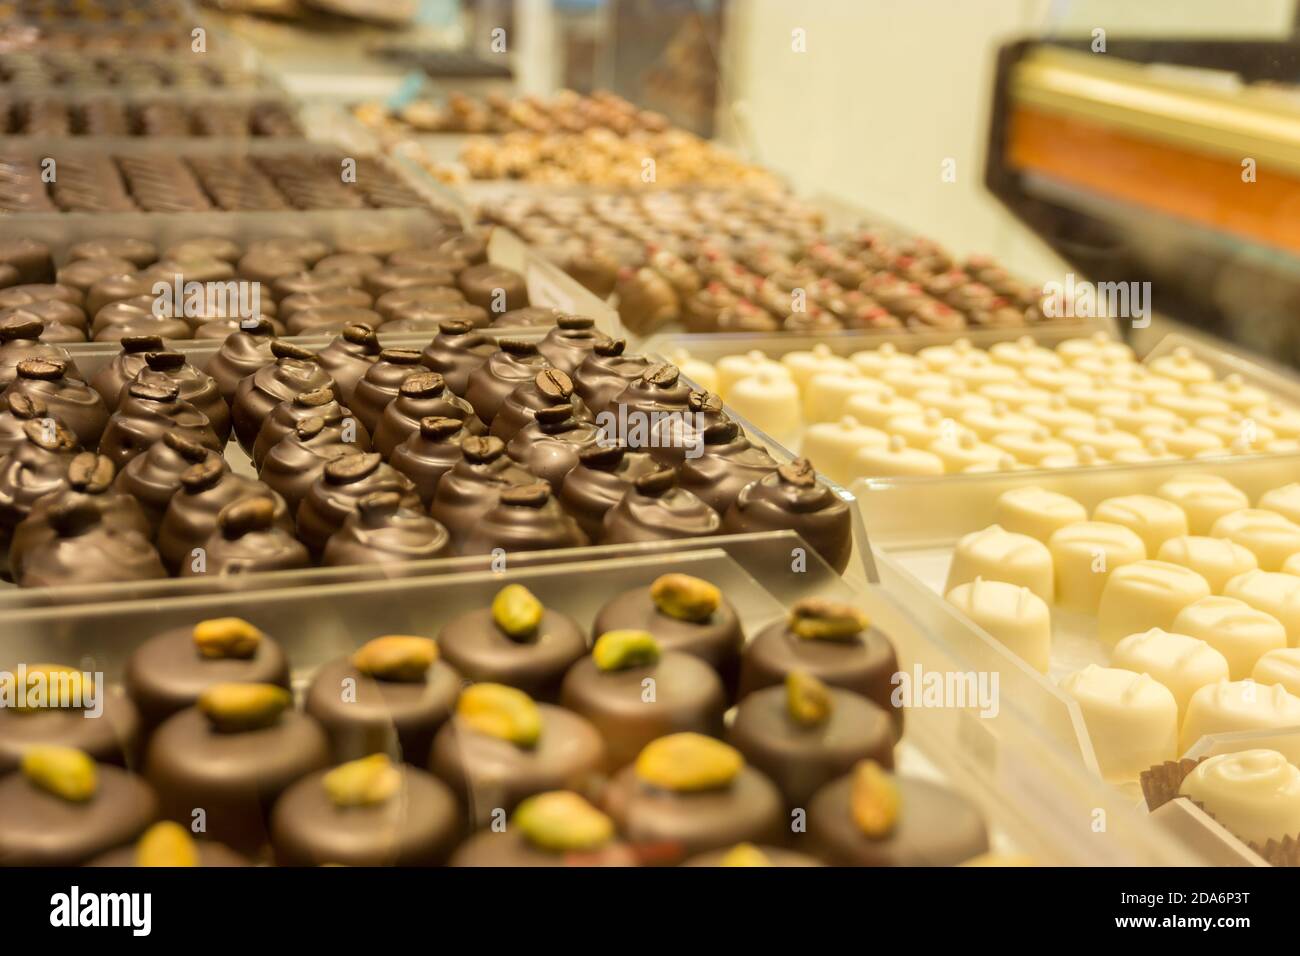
{"x":395,"y":705}
{"x":20,"y":339}
{"x":381,"y":384}
{"x":63,"y":322}
{"x":392,"y":305}
{"x":71,"y":401}
{"x":417,"y":825}
{"x":247,"y":540}
{"x":513,"y":364}
{"x":391,"y":278}
{"x":320,"y":319}
{"x":606,"y":373}
{"x":136,"y":316}
{"x":935,"y":827}
{"x":81,"y":274}
{"x":124,"y":366}
{"x":22,"y":409}
{"x":41,"y":828}
{"x":146,"y":413}
{"x":309,"y":283}
{"x":196,"y":387}
{"x":533,"y":660}
{"x":168,"y":672}
{"x":510,"y":847}
{"x":85,"y":549}
{"x":385,"y":531}
{"x":525,"y":518}
{"x":473,"y":485}
{"x":349,"y":356}
{"x":30,"y":258}
{"x":456,"y":351}
{"x":675,"y":438}
{"x":568,"y":344}
{"x":727,"y":463}
{"x":338,"y":491}
{"x":548,"y":388}
{"x":656,"y":509}
{"x":104,"y":724}
{"x":319,"y":403}
{"x":603,"y":475}
{"x":207,"y":854}
{"x":35,"y":467}
{"x":299,"y":458}
{"x":428,"y":454}
{"x":530,"y":317}
{"x":242,"y":354}
{"x":793,"y":498}
{"x":154,"y":477}
{"x":420,"y":396}
{"x":295,"y":370}
{"x":494,"y":288}
{"x":549,"y":446}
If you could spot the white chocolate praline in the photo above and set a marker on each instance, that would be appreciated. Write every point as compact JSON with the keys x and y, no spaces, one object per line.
{"x":1234,"y":427}
{"x":1182,"y":439}
{"x":1182,"y":366}
{"x":1285,"y":501}
{"x":1098,"y":345}
{"x":825,"y":396}
{"x":1218,"y":560}
{"x":878,"y":360}
{"x":1084,"y":555}
{"x":1015,"y":395}
{"x":877,"y":409}
{"x":1281,"y":419}
{"x":1282,"y":446}
{"x":1191,"y":407}
{"x":1037,"y":512}
{"x":1132,"y":719}
{"x":1032,"y":447}
{"x":1204,"y":498}
{"x":1255,"y":794}
{"x":1094,"y":395}
{"x":1057,"y":414}
{"x":1273,"y":593}
{"x":1136,"y":413}
{"x":769,"y":400}
{"x":1279,"y":666}
{"x":920,"y":429}
{"x":1233,"y":390}
{"x":803,"y":365}
{"x":834,"y":446}
{"x":1102,"y":436}
{"x":953,"y":400}
{"x":1023,"y":353}
{"x":1001,"y":464}
{"x":1140,"y":381}
{"x":982,"y":372}
{"x":1230,"y":706}
{"x":1181,"y":662}
{"x":896,"y":460}
{"x":1000,"y":555}
{"x":1013,"y":616}
{"x":939,"y":357}
{"x":1236,"y":630}
{"x":1054,"y":379}
{"x":910,"y":381}
{"x":961,"y":450}
{"x":1152,"y":519}
{"x":731,"y":369}
{"x":1146,"y":594}
{"x":998,"y":420}
{"x":1266,"y":534}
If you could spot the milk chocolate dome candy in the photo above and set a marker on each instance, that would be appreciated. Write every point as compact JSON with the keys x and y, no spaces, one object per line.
{"x":548,"y":388}
{"x":805,"y":734}
{"x":85,"y":549}
{"x":513,"y":364}
{"x":428,"y":454}
{"x":792,"y":497}
{"x":170,"y":844}
{"x":90,"y":477}
{"x":72,"y":402}
{"x":501,"y":747}
{"x":319,"y":403}
{"x":634,"y":692}
{"x":135,"y":316}
{"x":369,"y":812}
{"x":242,"y":354}
{"x":29,"y":258}
{"x":54,"y":705}
{"x":191,"y":515}
{"x":525,"y":518}
{"x":110,"y":380}
{"x":62,"y":322}
{"x":382,"y":382}
{"x":422,"y":395}
{"x":606,"y":373}
{"x":169,"y":671}
{"x":726,"y":463}
{"x":556,"y":828}
{"x":549,"y":446}
{"x":747,"y":854}
{"x":34,"y":468}
{"x":20,"y":339}
{"x":473,"y":486}
{"x":247,"y":539}
{"x":692,"y":793}
{"x":656,"y":509}
{"x":232,"y":755}
{"x":349,"y":356}
{"x":63,"y":809}
{"x":456,"y":351}
{"x":675,"y":438}
{"x":568,"y":344}
{"x":871,"y":817}
{"x":603,"y":475}
{"x":338,"y":491}
{"x":155,"y":476}
{"x":417,"y":300}
{"x":646,"y":300}
{"x":383,"y":530}
{"x":833,"y":642}
{"x":493,"y":288}
{"x":516,"y":641}
{"x":147,"y":413}
{"x":391,"y":696}
{"x":299,"y":458}
{"x":294,"y":371}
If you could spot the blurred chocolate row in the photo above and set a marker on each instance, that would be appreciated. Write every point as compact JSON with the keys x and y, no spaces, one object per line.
{"x":41,"y":115}
{"x":75,"y":69}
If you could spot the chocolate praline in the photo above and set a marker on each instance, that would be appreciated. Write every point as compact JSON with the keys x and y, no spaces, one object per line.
{"x":428,"y":454}
{"x":420,"y":396}
{"x":510,"y":847}
{"x":196,"y":387}
{"x":549,"y":446}
{"x":85,"y":549}
{"x":210,"y":854}
{"x":793,"y":498}
{"x":338,"y":491}
{"x":494,"y":288}
{"x":20,"y":339}
{"x":367,"y":708}
{"x":72,"y":402}
{"x":299,"y":458}
{"x":456,"y":351}
{"x":391,"y":305}
{"x":154,"y":477}
{"x":39,"y":828}
{"x":168,"y":672}
{"x":319,"y":403}
{"x":603,"y":475}
{"x":688,"y":695}
{"x":136,"y":316}
{"x":675,"y":438}
{"x":548,"y":388}
{"x":191,"y":515}
{"x":203,"y":247}
{"x":655,"y":509}
{"x":234,"y":776}
{"x":295,"y":370}
{"x":935,"y":827}
{"x":242,"y":354}
{"x":349,"y":356}
{"x":568,"y":344}
{"x":418,"y":825}
{"x":660,"y":388}
{"x":525,"y":518}
{"x":63,"y":322}
{"x":391,"y":278}
{"x":488,"y":773}
{"x":247,"y":540}
{"x":726,"y":464}
{"x":21,"y":410}
{"x":385,"y":531}
{"x":124,"y":366}
{"x":320,"y":319}
{"x":606,"y":373}
{"x":146,"y":413}
{"x":110,"y":736}
{"x":29,"y":258}
{"x":35,"y":467}
{"x":118,"y":288}
{"x":381,"y":384}
{"x":81,"y":274}
{"x":309,"y":283}
{"x":27,"y":293}
{"x":534,"y":662}
{"x":473,"y":485}
{"x":801,"y":757}
{"x":530,"y":317}
{"x":513,"y":364}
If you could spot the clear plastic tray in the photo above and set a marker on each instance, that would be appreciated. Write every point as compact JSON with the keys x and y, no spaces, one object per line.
{"x":1036,"y":799}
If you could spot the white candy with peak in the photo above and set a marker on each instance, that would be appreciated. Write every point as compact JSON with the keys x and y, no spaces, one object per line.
{"x":1132,"y":719}
{"x":1146,"y":594}
{"x":1013,"y":616}
{"x":1181,"y":662}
